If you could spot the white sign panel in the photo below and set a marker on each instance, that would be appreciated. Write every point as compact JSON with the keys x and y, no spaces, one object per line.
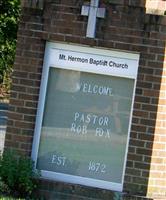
{"x":94,"y":63}
{"x":84,"y":115}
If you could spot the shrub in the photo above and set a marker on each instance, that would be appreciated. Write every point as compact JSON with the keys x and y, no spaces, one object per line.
{"x":17,"y":175}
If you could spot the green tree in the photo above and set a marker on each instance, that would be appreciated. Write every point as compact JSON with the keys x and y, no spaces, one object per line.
{"x":9,"y":16}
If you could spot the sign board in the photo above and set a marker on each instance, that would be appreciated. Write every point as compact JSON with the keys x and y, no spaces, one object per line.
{"x":84,"y":115}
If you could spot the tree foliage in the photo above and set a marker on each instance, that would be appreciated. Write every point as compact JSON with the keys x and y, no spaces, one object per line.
{"x":9,"y":15}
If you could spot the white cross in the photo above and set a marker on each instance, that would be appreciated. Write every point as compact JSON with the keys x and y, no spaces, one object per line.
{"x":92,"y":12}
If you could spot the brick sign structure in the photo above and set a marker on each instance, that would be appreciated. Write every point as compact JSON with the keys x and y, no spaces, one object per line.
{"x":93,"y":108}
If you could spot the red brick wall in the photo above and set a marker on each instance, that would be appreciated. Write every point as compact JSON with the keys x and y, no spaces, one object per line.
{"x":126,"y":27}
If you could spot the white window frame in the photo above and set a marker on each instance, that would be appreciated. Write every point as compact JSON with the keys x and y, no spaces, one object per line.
{"x":50,"y":60}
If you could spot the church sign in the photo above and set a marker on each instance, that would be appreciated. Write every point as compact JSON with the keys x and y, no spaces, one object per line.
{"x":84,"y":115}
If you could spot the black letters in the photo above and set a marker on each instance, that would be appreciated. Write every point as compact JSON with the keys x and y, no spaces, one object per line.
{"x":62,"y":57}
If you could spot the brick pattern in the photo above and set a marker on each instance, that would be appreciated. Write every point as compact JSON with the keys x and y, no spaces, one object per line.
{"x":32,"y":3}
{"x":157,"y":179}
{"x":126,"y":28}
{"x":75,"y":192}
{"x":25,"y":83}
{"x":152,"y":6}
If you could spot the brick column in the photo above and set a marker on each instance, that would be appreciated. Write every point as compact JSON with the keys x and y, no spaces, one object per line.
{"x":157,"y":177}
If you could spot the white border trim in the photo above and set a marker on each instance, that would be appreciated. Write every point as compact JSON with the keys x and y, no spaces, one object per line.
{"x":81,"y":180}
{"x":48,"y":62}
{"x":110,"y":57}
